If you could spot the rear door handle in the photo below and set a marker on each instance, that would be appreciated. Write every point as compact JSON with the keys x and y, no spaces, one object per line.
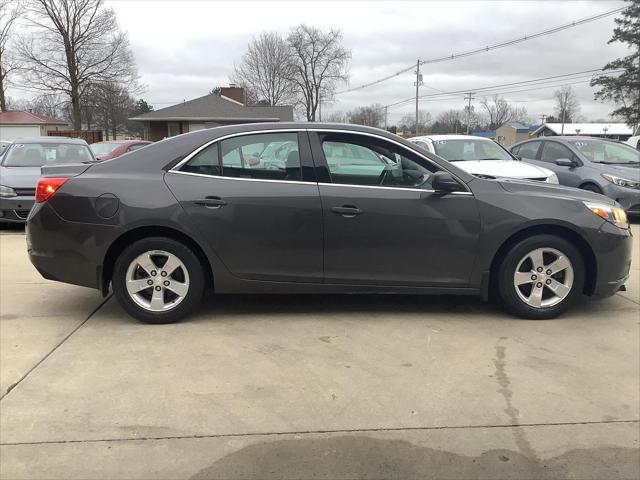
{"x":347,"y":211}
{"x":211,"y":202}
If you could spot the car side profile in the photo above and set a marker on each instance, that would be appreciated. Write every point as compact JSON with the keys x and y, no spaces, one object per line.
{"x":482,"y":156}
{"x":602,"y":166}
{"x":351,"y":210}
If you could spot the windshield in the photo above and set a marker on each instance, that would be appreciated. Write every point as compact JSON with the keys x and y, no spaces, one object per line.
{"x":100,"y":149}
{"x":41,"y":154}
{"x":469,"y":149}
{"x":601,"y":151}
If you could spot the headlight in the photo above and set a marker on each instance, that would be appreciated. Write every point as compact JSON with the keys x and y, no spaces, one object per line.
{"x":7,"y":191}
{"x":553,"y":178}
{"x":622,"y":182}
{"x":610,"y":213}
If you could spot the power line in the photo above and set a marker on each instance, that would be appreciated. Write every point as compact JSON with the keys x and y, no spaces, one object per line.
{"x":488,"y":48}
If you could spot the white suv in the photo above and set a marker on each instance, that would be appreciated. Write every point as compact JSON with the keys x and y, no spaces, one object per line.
{"x":482,"y":156}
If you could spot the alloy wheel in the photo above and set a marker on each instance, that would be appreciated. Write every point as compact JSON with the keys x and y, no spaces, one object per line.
{"x":157,"y":280}
{"x":543,"y":277}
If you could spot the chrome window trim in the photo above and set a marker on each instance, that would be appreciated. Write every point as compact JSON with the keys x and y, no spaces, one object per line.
{"x":420,"y":190}
{"x":176,"y":167}
{"x":220,"y":177}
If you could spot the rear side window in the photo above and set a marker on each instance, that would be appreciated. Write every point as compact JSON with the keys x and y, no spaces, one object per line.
{"x":553,"y":151}
{"x":529,"y":150}
{"x":205,"y":162}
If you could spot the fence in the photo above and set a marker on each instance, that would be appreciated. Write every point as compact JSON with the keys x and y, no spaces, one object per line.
{"x":90,"y":136}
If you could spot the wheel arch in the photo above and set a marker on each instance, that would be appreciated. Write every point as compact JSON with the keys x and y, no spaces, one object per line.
{"x":591,"y":267}
{"x":590,"y":182}
{"x":138,"y":233}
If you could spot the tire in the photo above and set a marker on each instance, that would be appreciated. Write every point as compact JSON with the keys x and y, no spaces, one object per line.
{"x":591,"y":187}
{"x":526,"y":300}
{"x":157,"y":303}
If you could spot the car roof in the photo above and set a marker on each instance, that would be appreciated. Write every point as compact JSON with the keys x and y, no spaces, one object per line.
{"x":66,"y":140}
{"x":449,"y":137}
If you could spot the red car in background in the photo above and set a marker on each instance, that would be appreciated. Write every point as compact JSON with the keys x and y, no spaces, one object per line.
{"x":115,"y":148}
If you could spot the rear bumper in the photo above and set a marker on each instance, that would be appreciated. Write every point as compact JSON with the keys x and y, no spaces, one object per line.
{"x":612,"y":247}
{"x":15,"y":209}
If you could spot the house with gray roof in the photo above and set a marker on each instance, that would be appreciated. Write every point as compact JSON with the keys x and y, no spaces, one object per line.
{"x":209,"y":111}
{"x":510,"y":133}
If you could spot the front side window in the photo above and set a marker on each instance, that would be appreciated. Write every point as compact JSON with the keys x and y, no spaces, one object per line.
{"x":42,"y":154}
{"x":553,"y":151}
{"x":471,"y":149}
{"x":529,"y":150}
{"x":357,"y":160}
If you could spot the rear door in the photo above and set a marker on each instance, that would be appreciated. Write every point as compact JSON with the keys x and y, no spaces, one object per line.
{"x":383,"y":224}
{"x":263,"y":218}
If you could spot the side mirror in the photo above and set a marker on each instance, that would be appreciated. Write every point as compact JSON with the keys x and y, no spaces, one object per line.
{"x":565,"y":162}
{"x":444,"y":182}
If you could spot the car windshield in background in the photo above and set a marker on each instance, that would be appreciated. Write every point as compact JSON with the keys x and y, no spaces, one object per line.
{"x":42,"y":154}
{"x":466,"y":150}
{"x":600,"y":151}
{"x":100,"y":149}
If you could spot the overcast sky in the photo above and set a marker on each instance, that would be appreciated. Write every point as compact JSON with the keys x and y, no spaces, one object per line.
{"x":183,"y":49}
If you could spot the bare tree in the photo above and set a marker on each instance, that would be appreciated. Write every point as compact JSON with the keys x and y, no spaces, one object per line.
{"x":567,"y":105}
{"x":10,"y":11}
{"x":371,"y":115}
{"x":408,"y":122}
{"x":451,"y":121}
{"x":111,"y":103}
{"x":318,"y":64}
{"x":49,"y":105}
{"x":498,"y":111}
{"x":336,"y":117}
{"x":265,"y":70}
{"x":75,"y":43}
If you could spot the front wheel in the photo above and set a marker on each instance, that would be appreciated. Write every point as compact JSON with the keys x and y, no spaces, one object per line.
{"x":158,"y":280}
{"x":541,"y":277}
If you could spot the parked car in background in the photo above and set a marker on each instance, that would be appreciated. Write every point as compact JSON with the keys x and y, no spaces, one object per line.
{"x":482,"y":156}
{"x":634,"y":142}
{"x":355,"y":210}
{"x":599,"y":165}
{"x":115,"y":148}
{"x":3,"y":146}
{"x":20,"y":169}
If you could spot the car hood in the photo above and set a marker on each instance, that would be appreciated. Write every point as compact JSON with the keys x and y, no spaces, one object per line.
{"x":19,"y":177}
{"x":526,"y":187}
{"x":503,"y":168}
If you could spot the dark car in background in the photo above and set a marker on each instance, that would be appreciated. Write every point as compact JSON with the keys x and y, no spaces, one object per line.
{"x":352,"y":210}
{"x":20,"y":168}
{"x":602,"y":166}
{"x":115,"y":148}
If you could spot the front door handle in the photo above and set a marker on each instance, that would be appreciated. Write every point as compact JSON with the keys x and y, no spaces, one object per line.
{"x":347,"y":211}
{"x":211,"y":202}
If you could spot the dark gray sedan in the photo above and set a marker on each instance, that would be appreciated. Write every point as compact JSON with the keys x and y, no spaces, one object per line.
{"x":350,"y":210}
{"x":602,"y":166}
{"x":20,"y":167}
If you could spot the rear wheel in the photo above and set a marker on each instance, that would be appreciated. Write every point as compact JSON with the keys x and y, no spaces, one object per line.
{"x":541,"y":276}
{"x":158,"y":280}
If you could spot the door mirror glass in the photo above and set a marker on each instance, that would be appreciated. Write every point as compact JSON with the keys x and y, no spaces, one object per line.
{"x":565,"y":162}
{"x":444,"y":182}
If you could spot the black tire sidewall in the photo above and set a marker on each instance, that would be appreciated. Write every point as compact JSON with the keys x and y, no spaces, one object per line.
{"x":188,"y":258}
{"x":507,"y":289}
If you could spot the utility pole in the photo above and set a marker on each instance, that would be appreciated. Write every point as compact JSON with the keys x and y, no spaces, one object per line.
{"x":469,"y":97}
{"x":543,"y":117}
{"x":385,"y":117}
{"x":417,"y":84}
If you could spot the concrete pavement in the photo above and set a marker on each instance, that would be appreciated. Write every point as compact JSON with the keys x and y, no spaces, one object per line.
{"x":313,"y":387}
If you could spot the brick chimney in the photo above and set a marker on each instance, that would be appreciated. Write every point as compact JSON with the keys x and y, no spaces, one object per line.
{"x":234,"y":92}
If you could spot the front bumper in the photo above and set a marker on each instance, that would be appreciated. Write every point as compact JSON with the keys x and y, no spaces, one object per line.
{"x":612,"y":247}
{"x":15,"y":209}
{"x":627,"y":197}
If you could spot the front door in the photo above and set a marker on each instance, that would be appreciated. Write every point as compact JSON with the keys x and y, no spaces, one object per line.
{"x":383,"y":224}
{"x":255,"y":200}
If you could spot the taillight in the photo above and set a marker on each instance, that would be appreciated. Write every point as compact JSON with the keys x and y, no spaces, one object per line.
{"x":47,"y":187}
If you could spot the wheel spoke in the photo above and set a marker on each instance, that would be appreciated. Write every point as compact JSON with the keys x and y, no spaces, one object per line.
{"x":171,"y":264}
{"x":146,"y":263}
{"x":178,"y":288}
{"x":536,"y":259}
{"x":135,"y":286}
{"x":157,"y":300}
{"x":560,"y":289}
{"x":535,"y":299}
{"x":561,"y":263}
{"x":522,"y":277}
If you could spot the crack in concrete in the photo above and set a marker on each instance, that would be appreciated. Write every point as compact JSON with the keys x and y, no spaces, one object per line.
{"x":15,"y":384}
{"x":311,"y":432}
